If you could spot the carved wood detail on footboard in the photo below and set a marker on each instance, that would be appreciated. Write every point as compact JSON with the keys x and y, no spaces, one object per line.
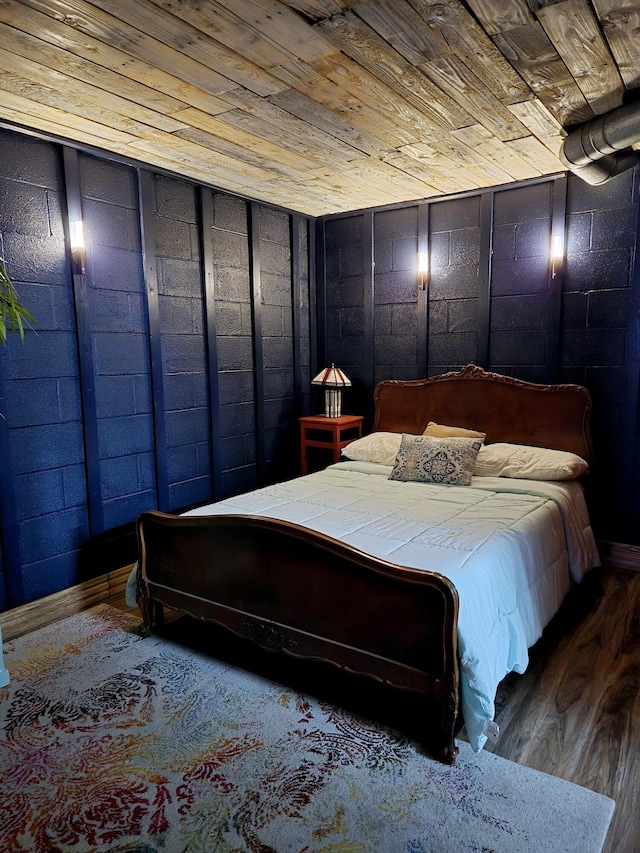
{"x":293,"y":590}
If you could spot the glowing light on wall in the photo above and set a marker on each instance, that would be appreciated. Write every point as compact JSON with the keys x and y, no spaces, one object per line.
{"x":556,"y":253}
{"x":423,"y":270}
{"x":76,"y":244}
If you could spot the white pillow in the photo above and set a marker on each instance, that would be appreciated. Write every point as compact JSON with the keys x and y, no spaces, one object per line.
{"x":380,"y":447}
{"x":528,"y":463}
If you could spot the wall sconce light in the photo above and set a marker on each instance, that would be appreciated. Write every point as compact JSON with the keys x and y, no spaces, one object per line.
{"x":333,"y":380}
{"x":76,"y":244}
{"x":423,"y":270}
{"x":557,"y":253}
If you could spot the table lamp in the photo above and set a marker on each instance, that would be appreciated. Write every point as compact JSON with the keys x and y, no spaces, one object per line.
{"x":333,"y":380}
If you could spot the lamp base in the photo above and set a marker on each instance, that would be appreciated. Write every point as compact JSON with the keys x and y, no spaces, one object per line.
{"x":332,"y":402}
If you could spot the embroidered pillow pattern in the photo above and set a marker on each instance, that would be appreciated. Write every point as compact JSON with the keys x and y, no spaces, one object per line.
{"x":448,"y":461}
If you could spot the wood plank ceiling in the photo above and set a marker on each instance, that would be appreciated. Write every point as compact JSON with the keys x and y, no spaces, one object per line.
{"x":321,"y":106}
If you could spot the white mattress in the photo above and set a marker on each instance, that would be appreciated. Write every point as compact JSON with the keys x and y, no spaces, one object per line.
{"x":511,"y":548}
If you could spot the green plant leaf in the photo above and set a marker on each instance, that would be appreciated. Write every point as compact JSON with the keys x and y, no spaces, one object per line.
{"x":12,"y":313}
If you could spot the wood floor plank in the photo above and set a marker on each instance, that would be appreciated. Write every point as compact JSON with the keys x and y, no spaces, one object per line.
{"x":575,"y":712}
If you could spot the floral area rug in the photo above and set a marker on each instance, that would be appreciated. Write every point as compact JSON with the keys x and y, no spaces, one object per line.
{"x":114,"y":742}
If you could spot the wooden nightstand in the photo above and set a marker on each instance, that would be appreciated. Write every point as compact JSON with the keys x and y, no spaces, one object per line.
{"x":339,"y":432}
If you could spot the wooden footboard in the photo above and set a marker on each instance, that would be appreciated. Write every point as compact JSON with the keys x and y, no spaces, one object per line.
{"x":292,"y":590}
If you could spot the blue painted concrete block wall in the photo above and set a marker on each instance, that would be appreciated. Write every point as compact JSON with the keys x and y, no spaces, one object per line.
{"x":453,"y":286}
{"x":344,"y":301}
{"x":118,"y":320}
{"x":145,"y":247}
{"x":280,"y":421}
{"x":44,"y":460}
{"x":395,"y":294}
{"x":511,"y":315}
{"x":184,"y":358}
{"x":235,"y":340}
{"x":521,"y":307}
{"x":208,"y":406}
{"x":601,"y":338}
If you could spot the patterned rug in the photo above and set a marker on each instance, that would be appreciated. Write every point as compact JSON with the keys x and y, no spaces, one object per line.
{"x":113,"y":742}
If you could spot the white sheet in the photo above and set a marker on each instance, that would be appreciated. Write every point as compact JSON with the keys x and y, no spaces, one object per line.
{"x":511,"y":548}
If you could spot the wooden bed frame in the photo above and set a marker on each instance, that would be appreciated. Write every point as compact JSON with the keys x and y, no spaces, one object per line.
{"x":292,"y":590}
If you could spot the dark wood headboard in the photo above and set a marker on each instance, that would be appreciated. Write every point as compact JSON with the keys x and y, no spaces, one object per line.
{"x":507,"y":409}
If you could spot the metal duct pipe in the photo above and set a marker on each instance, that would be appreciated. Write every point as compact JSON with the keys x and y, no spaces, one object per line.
{"x":595,"y":150}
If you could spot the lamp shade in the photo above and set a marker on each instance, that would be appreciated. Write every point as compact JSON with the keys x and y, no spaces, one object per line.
{"x":333,"y":380}
{"x":333,"y":377}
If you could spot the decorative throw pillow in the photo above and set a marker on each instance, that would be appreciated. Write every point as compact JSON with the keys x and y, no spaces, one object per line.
{"x":528,"y":463}
{"x":441,"y":431}
{"x":380,"y":447}
{"x":424,"y":459}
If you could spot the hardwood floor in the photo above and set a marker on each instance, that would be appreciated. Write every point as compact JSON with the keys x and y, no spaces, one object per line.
{"x":575,"y":713}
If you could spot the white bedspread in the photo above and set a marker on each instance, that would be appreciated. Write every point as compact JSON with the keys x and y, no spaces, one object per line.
{"x":511,"y":548}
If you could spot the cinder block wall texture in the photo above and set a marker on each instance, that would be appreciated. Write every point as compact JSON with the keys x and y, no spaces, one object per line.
{"x":492,"y":299}
{"x":174,"y":370}
{"x":164,"y":377}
